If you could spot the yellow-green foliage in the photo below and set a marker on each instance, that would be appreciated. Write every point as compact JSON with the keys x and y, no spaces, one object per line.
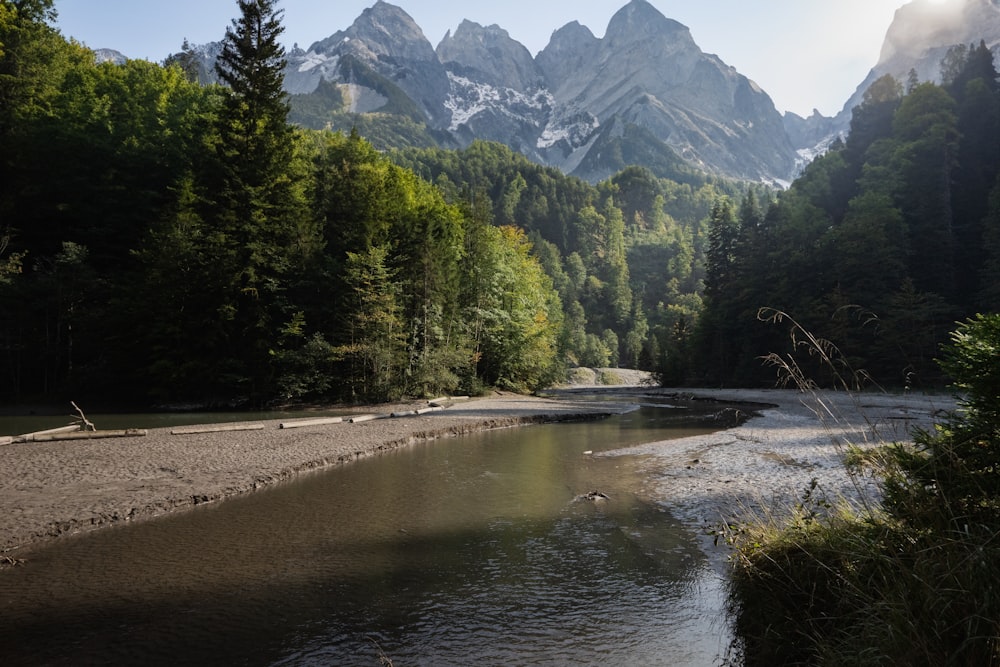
{"x":580,"y":375}
{"x":610,"y":378}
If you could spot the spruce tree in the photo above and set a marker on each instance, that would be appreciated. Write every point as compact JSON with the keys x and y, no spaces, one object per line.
{"x":259,"y":211}
{"x":978,"y":95}
{"x":375,"y":353}
{"x":34,"y":59}
{"x":926,"y":131}
{"x":256,"y":141}
{"x":254,"y":119}
{"x":872,"y":119}
{"x":719,"y":325}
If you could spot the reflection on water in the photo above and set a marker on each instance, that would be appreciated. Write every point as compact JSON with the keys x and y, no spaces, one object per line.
{"x":475,"y":550}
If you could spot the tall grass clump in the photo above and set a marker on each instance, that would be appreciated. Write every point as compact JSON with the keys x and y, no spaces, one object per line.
{"x":909,"y":578}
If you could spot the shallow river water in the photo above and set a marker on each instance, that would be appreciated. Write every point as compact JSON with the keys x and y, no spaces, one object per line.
{"x":470,"y":551}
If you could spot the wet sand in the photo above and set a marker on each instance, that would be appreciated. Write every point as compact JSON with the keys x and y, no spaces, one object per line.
{"x":53,"y":489}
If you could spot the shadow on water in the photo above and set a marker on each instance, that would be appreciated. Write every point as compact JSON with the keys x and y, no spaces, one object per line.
{"x":475,"y":550}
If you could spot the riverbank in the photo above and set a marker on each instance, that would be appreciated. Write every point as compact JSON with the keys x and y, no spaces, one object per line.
{"x":53,"y":489}
{"x":766,"y":464}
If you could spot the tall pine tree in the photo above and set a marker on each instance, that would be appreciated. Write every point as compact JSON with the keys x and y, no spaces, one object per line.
{"x":719,"y":325}
{"x":259,"y":215}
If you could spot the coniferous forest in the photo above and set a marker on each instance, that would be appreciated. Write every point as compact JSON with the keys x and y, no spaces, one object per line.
{"x":879,"y":247}
{"x":166,"y":242}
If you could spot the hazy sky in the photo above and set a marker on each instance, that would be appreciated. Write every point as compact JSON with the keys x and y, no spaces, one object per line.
{"x":805,"y":53}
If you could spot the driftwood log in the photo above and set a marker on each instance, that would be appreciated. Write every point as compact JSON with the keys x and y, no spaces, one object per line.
{"x":87,"y":435}
{"x":319,"y":421}
{"x":216,"y":428}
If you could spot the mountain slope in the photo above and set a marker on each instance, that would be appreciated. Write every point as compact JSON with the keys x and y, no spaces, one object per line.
{"x":647,"y":71}
{"x":645,"y":81}
{"x":385,"y":41}
{"x":918,"y":39}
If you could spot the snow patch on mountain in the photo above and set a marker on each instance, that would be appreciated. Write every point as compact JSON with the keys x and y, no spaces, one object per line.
{"x":469,"y":98}
{"x":574,"y":131}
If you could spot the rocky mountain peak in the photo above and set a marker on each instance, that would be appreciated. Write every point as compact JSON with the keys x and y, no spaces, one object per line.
{"x":642,"y":43}
{"x":568,"y":49}
{"x":382,"y":30}
{"x":384,"y":52}
{"x":920,"y":36}
{"x":643,"y":94}
{"x":639,"y":21}
{"x":922,"y":24}
{"x":109,"y":56}
{"x":648,"y":72}
{"x":490,"y":54}
{"x":571,"y":36}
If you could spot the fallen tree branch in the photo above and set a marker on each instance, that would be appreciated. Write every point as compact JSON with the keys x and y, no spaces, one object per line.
{"x":86,"y":424}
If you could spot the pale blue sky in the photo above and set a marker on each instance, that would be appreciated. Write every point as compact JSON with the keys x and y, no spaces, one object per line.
{"x":805,"y":53}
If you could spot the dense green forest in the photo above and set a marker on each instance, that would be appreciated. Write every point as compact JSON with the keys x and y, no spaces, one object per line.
{"x":163,"y":241}
{"x":878,"y":248}
{"x":627,"y":256}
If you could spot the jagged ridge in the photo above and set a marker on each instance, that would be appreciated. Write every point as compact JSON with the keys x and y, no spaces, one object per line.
{"x":646,"y":74}
{"x":645,"y":90}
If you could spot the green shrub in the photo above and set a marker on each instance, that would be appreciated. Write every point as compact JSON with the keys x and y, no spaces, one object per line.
{"x":910,"y":581}
{"x":610,"y":378}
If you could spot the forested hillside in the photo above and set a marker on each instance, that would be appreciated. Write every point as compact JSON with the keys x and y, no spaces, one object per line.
{"x":626,"y":255}
{"x":879,"y":248}
{"x":166,"y":242}
{"x":170,"y":242}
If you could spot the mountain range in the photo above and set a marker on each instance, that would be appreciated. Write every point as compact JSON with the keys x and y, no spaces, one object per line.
{"x":643,"y":94}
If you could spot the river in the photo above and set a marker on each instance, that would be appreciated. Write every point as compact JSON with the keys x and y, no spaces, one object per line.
{"x":481,"y":550}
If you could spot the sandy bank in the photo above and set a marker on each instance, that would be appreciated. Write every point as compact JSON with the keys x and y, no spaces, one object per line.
{"x":50,"y":489}
{"x":769,"y":461}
